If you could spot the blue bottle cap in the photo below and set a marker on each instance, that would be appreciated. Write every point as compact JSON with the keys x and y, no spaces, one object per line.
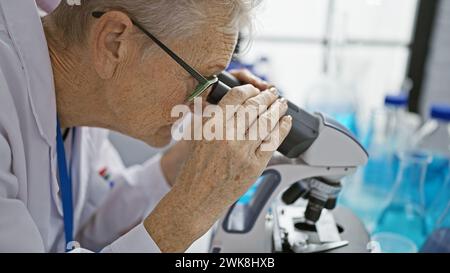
{"x":440,"y":111}
{"x":396,"y":100}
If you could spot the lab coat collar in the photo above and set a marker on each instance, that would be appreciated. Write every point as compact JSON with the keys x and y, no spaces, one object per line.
{"x":27,"y":33}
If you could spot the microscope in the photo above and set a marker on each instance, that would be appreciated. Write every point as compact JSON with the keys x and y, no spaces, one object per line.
{"x":292,"y":206}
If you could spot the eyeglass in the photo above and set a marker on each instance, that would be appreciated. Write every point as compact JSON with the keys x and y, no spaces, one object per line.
{"x":203,"y":82}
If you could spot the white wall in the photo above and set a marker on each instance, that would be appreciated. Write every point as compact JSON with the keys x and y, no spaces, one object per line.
{"x":286,"y":31}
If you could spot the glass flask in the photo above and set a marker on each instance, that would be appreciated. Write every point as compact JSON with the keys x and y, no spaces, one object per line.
{"x":405,"y":214}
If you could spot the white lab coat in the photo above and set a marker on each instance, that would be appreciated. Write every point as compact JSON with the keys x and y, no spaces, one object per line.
{"x":105,"y":219}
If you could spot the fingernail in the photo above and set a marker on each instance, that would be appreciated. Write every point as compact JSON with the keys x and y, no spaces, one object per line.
{"x":289,"y":117}
{"x":282,"y":103}
{"x":273,"y":90}
{"x":283,"y":100}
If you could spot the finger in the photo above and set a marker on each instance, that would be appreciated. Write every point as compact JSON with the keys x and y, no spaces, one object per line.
{"x":252,"y":109}
{"x":236,"y":97}
{"x":268,"y":120}
{"x":275,"y":139}
{"x":265,"y":98}
{"x":245,"y":76}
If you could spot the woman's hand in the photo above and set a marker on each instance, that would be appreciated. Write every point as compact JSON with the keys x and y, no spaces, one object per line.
{"x":217,"y":172}
{"x":174,"y":158}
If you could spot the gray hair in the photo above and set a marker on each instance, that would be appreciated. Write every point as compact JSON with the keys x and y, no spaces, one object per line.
{"x":164,"y":18}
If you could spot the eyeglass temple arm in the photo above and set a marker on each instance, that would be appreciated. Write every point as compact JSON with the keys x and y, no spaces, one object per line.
{"x":188,"y":68}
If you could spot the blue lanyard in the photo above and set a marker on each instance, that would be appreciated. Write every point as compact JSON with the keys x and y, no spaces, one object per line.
{"x":65,"y":187}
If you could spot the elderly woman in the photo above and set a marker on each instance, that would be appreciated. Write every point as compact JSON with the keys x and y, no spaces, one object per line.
{"x":104,"y":64}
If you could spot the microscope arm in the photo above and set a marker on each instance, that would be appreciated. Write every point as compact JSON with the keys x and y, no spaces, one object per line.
{"x":277,"y":178}
{"x":320,"y":151}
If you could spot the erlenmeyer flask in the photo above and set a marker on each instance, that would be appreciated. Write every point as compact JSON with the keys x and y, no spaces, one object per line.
{"x":438,"y":220}
{"x":439,"y":240}
{"x":440,"y":205}
{"x":405,"y":214}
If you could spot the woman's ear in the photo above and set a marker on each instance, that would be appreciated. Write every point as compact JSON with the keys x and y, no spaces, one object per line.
{"x":109,"y":41}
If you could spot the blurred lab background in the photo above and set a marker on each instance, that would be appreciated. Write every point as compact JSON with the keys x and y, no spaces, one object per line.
{"x":382,"y":68}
